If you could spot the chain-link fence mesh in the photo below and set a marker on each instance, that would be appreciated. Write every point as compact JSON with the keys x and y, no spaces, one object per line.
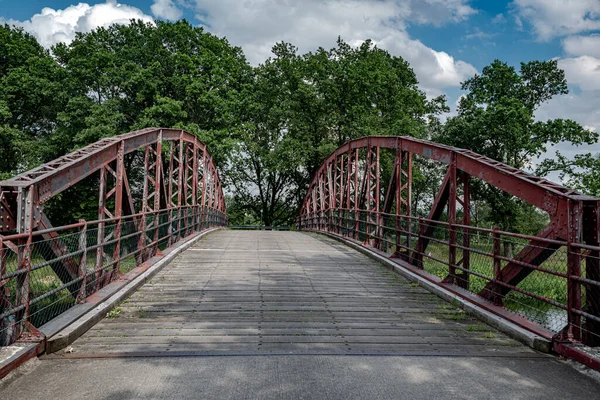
{"x":542,"y":280}
{"x":43,"y":275}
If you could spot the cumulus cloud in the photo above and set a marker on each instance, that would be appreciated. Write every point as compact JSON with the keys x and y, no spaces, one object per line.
{"x":166,"y":9}
{"x":582,"y":71}
{"x":54,"y":26}
{"x":555,"y":18}
{"x":438,"y":12}
{"x":257,"y":25}
{"x":583,"y":108}
{"x":582,"y":45}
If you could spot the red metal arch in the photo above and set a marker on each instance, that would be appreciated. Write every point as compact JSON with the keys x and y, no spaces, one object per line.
{"x":46,"y":181}
{"x":180,"y":193}
{"x":347,"y":197}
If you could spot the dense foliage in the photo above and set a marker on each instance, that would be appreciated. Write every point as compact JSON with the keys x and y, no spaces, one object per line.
{"x":269,"y":127}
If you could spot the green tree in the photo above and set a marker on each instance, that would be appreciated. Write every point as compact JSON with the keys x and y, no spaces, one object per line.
{"x":32,"y":93}
{"x":139,"y":75}
{"x":496,"y":118}
{"x":300,"y":108}
{"x":581,"y":173}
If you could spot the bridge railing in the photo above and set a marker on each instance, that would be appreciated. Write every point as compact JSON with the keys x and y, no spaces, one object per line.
{"x":470,"y":261}
{"x":93,"y":254}
{"x":548,"y":283}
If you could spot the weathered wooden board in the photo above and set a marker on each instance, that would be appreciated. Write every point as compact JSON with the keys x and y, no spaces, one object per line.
{"x":238,"y":292}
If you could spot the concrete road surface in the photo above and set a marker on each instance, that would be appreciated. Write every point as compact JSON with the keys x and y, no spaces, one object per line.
{"x":300,"y":377}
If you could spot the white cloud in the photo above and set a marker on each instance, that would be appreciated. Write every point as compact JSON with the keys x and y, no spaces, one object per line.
{"x":166,"y":9}
{"x":583,"y":108}
{"x":499,"y":19}
{"x":583,"y":71}
{"x":54,"y":26}
{"x":554,"y":18}
{"x":582,"y":45}
{"x":257,"y":25}
{"x":438,"y":12}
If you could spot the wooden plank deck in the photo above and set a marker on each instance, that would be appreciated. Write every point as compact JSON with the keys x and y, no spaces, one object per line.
{"x":267,"y":292}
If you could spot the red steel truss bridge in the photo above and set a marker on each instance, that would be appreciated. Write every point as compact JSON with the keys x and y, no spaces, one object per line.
{"x":548,"y":284}
{"x":176,"y":192}
{"x":269,"y":291}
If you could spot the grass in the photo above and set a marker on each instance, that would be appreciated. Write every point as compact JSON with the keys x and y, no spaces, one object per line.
{"x":454,"y":317}
{"x":45,"y":280}
{"x":477,"y":328}
{"x":114,"y":313}
{"x":537,"y":282}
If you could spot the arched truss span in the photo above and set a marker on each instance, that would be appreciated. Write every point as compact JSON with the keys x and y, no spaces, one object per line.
{"x":154,"y":187}
{"x":354,"y":195}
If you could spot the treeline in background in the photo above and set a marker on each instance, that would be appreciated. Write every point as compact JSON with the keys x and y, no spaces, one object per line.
{"x":269,"y":127}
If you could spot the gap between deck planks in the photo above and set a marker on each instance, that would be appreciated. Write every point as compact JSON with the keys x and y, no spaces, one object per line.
{"x":268,"y":292}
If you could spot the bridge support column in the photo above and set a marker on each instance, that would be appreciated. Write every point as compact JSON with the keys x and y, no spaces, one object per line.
{"x":573,"y":332}
{"x":591,"y":237}
{"x":25,"y":224}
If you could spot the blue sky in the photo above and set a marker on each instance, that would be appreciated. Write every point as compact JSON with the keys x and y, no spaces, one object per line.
{"x":445,"y":41}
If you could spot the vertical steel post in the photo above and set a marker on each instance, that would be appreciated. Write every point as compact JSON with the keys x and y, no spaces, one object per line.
{"x":101,"y":213}
{"x":25,"y":222}
{"x":170,"y":190}
{"x":452,"y":223}
{"x":408,"y":210}
{"x":181,"y":185}
{"x":591,"y":231}
{"x":356,"y":212}
{"x":349,"y":222}
{"x":573,"y":332}
{"x":465,"y":276}
{"x":82,"y":270}
{"x":195,"y":188}
{"x":118,"y":208}
{"x":367,"y":196}
{"x":158,"y":173}
{"x":204,"y":168}
{"x":2,"y":260}
{"x":398,"y":195}
{"x":496,"y":297}
{"x":142,"y":224}
{"x":418,"y":258}
{"x":378,"y":220}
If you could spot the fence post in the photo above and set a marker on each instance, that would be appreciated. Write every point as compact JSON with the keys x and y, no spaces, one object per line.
{"x":81,"y":271}
{"x":496,"y":296}
{"x":419,"y":249}
{"x":142,"y":239}
{"x":452,"y":278}
{"x":26,"y":200}
{"x":23,"y":285}
{"x":573,"y":332}
{"x":120,"y":173}
{"x":5,"y":323}
{"x":591,"y":233}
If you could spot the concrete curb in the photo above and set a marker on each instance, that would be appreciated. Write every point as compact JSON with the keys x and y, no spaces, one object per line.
{"x":79,"y":326}
{"x":516,"y":332}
